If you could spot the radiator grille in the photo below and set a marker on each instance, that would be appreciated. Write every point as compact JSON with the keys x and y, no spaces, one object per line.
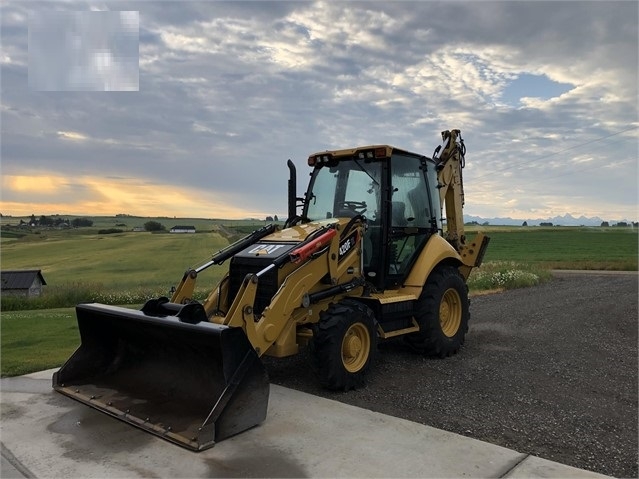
{"x":266,"y":288}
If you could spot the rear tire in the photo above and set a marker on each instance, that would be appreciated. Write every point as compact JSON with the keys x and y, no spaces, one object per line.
{"x":343,"y":345}
{"x":442,"y":312}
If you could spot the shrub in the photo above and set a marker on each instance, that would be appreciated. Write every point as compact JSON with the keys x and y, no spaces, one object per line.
{"x":506,"y":275}
{"x":63,"y":296}
{"x":154,"y":226}
{"x":71,"y":294}
{"x":109,"y":231}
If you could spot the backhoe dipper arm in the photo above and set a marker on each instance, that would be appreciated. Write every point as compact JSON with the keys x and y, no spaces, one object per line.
{"x":451,"y":187}
{"x":450,"y":159}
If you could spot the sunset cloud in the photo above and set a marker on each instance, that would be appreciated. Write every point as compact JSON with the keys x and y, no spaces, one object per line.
{"x":108,"y":196}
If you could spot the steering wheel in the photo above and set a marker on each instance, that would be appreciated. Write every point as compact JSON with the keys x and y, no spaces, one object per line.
{"x":358,"y":206}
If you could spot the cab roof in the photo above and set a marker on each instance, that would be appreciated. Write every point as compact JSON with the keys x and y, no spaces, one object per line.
{"x":378,"y":151}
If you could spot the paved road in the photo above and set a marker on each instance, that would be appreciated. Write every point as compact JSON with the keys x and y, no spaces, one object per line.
{"x":549,"y":371}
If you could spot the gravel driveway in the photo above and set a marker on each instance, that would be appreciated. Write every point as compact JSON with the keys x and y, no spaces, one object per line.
{"x":549,"y":371}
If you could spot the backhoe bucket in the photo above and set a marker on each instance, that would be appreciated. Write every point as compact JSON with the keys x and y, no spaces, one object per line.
{"x":192,"y":384}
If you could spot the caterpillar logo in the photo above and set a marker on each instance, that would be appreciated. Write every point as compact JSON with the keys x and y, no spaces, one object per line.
{"x":268,"y":251}
{"x":346,"y":245}
{"x":262,"y":249}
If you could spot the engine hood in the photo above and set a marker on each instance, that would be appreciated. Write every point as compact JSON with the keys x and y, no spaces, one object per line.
{"x":283,"y":241}
{"x":299,"y":233}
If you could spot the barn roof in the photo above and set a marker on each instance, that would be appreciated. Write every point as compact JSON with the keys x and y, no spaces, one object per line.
{"x":20,"y":279}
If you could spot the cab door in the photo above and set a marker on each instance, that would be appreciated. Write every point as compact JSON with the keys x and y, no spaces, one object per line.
{"x":412,"y":215}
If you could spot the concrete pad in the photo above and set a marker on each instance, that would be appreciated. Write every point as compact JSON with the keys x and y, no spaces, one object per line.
{"x":8,"y":469}
{"x":537,"y":467}
{"x":50,"y":435}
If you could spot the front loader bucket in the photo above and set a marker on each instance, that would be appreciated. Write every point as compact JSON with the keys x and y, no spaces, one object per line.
{"x":192,"y":384}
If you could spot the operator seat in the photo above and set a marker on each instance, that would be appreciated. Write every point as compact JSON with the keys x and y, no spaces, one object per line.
{"x":418,"y":198}
{"x":398,"y":214}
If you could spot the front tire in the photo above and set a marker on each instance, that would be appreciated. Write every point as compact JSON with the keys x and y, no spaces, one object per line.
{"x":343,"y":345}
{"x":442,"y":312}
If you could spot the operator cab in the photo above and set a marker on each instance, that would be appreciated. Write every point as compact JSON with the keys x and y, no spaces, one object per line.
{"x":394,"y":190}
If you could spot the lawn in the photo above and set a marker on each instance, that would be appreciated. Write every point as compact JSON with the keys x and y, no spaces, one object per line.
{"x":36,"y":340}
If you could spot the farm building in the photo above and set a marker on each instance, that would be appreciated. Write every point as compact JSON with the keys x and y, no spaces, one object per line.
{"x":27,"y":283}
{"x":182,"y":229}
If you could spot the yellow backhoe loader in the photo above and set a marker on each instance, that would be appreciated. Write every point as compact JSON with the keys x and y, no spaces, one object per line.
{"x":364,"y":255}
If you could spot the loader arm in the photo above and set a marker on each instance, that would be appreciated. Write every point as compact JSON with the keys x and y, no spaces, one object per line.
{"x":315,"y":260}
{"x":183,"y":294}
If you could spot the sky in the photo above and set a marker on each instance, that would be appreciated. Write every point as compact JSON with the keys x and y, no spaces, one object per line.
{"x":191,"y":109}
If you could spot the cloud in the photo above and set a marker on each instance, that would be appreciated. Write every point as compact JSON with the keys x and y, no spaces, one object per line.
{"x":228,"y":91}
{"x":71,"y":135}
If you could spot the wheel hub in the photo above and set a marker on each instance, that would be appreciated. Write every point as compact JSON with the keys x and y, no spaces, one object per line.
{"x":352,"y":346}
{"x":356,"y":347}
{"x":450,"y":312}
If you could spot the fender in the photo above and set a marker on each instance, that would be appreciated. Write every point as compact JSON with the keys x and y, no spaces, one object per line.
{"x":437,"y":250}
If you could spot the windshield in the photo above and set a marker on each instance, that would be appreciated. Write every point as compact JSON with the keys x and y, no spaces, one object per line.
{"x":345,"y":190}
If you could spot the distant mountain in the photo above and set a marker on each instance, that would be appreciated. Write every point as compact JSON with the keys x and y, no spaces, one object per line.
{"x":565,"y":220}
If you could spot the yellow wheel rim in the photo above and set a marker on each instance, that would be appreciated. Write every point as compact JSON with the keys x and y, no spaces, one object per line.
{"x":450,"y":312}
{"x":356,"y":347}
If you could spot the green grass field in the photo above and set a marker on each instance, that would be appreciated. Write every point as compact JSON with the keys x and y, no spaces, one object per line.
{"x":118,"y":261}
{"x":130,"y":222}
{"x":39,"y":339}
{"x":612,"y":248}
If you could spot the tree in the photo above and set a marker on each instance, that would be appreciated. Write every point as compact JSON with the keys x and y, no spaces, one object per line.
{"x":269,"y":218}
{"x":153,"y":226}
{"x":275,"y":218}
{"x":545,"y":224}
{"x":605,"y":224}
{"x":525,"y":223}
{"x":77,"y":222}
